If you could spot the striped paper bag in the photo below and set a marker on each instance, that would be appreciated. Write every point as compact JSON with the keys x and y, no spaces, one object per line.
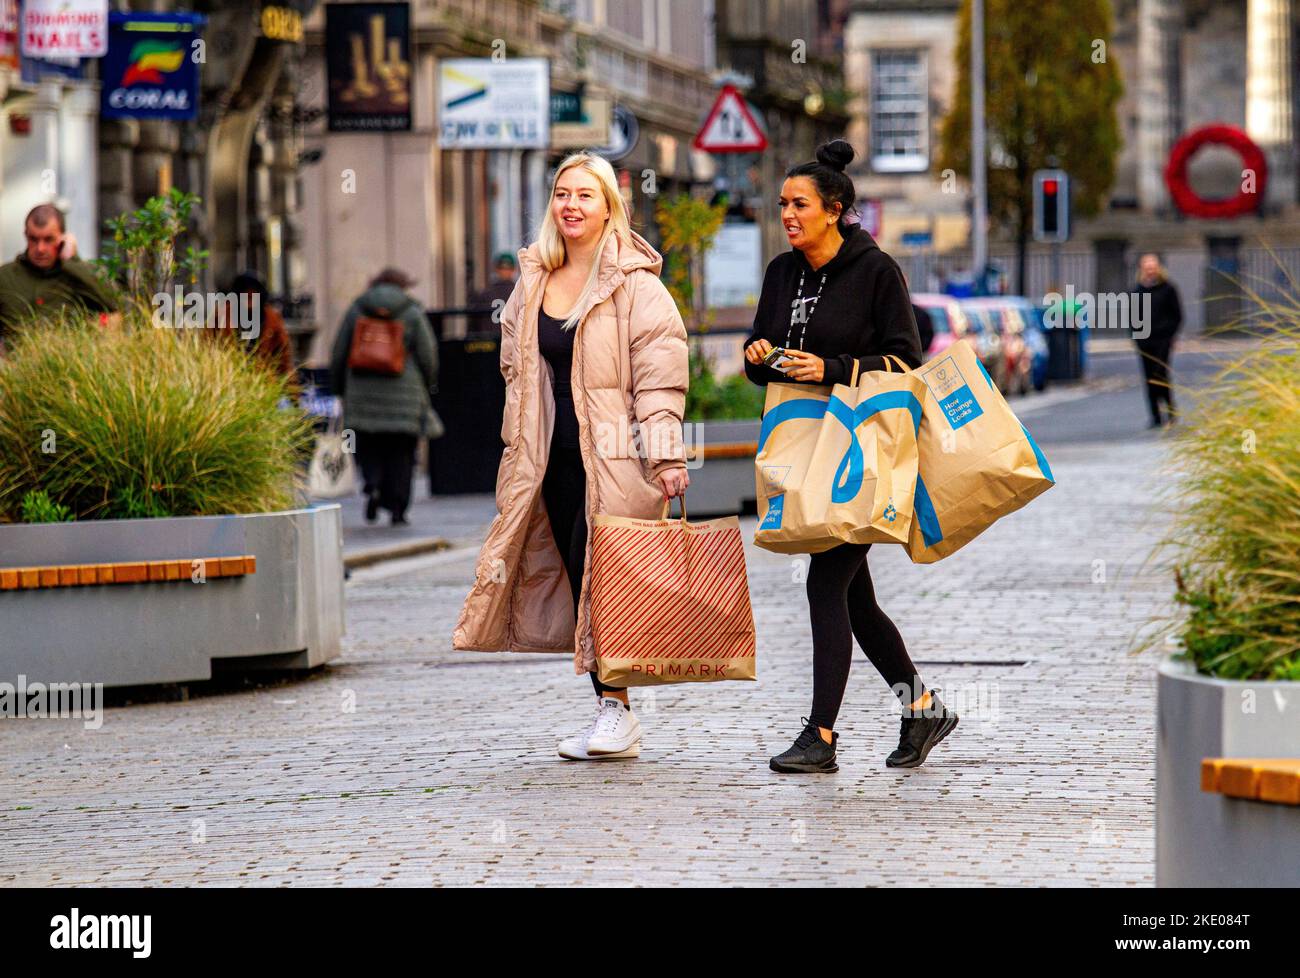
{"x":670,"y":601}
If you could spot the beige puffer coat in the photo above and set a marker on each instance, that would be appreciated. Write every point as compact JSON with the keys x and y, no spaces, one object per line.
{"x":630,"y":375}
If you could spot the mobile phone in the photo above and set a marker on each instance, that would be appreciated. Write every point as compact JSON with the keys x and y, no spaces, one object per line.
{"x":776,"y":359}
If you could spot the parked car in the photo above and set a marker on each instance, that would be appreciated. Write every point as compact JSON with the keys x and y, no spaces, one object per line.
{"x":1013,"y":315}
{"x":985,"y":331}
{"x":1035,"y":339}
{"x":946,"y":316}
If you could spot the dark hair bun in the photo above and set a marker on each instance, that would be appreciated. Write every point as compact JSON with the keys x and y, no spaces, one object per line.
{"x":836,"y":153}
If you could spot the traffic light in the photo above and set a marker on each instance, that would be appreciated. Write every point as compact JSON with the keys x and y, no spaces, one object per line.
{"x":1051,"y":206}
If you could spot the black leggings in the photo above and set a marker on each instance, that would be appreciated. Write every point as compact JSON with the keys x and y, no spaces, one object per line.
{"x":564,"y":491}
{"x":1155,"y":367}
{"x":840,"y":598}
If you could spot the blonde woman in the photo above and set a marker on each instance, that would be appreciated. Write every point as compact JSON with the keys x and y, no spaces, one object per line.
{"x":594,"y":355}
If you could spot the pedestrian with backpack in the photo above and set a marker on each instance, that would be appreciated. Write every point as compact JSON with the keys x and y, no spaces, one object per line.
{"x":594,"y":355}
{"x":834,"y":298}
{"x":385,"y":368}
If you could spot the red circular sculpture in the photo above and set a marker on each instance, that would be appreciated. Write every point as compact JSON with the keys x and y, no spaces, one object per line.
{"x":1188,"y":200}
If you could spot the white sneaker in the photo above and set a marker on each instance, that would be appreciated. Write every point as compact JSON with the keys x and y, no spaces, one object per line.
{"x":617,"y":730}
{"x":575,"y":748}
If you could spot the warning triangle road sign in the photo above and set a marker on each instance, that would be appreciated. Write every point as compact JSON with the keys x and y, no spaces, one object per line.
{"x":730,"y":126}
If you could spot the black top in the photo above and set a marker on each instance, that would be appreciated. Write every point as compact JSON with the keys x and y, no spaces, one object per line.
{"x":864,"y":311}
{"x":1166,"y":313}
{"x":556,"y":345}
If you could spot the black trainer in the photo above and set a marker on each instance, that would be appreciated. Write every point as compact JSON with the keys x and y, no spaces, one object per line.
{"x":921,"y":731}
{"x":809,"y":754}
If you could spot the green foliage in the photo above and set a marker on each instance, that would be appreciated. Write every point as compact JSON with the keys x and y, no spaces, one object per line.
{"x":1052,"y":87}
{"x":710,"y":399}
{"x":37,"y":507}
{"x":687,"y":227}
{"x":138,"y":421}
{"x":1235,"y":547}
{"x":142,"y":249}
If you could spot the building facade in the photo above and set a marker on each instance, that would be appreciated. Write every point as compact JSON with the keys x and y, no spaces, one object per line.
{"x":1184,"y":64}
{"x":399,"y":198}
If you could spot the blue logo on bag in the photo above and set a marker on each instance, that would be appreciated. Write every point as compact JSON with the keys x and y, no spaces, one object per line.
{"x":775,"y":507}
{"x":952,"y":393}
{"x":852,"y":467}
{"x":890,"y":513}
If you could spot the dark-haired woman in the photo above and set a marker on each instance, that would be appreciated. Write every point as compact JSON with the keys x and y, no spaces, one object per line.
{"x":836,"y":297}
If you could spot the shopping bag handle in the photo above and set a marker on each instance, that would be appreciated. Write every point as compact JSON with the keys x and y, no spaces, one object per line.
{"x":886,"y":357}
{"x":668,"y":505}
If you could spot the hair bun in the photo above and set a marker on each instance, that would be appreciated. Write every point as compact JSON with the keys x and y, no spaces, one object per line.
{"x":835,"y":153}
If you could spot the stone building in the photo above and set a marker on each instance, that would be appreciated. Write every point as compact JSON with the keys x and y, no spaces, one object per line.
{"x":443,"y":214}
{"x":241,"y":155}
{"x":788,"y":55}
{"x":1184,"y":64}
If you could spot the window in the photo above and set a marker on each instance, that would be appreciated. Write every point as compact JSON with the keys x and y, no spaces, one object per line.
{"x":900,"y":125}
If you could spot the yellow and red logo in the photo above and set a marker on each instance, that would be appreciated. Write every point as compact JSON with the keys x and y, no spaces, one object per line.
{"x":150,"y":60}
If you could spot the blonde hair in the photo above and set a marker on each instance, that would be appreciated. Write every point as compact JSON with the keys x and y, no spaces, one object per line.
{"x":550,"y":242}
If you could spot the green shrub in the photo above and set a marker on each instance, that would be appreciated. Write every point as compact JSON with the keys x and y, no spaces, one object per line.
{"x":1235,"y":546}
{"x":710,"y":399}
{"x":37,"y":507}
{"x":137,"y":421}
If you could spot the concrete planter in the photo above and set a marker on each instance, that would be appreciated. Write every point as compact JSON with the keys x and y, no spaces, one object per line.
{"x":1205,"y":839}
{"x":724,"y":483}
{"x":287,"y":614}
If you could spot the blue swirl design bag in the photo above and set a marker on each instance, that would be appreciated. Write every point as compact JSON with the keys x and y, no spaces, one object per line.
{"x":838,"y":465}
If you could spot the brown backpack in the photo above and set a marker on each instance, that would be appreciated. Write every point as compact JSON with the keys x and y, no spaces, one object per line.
{"x":378,"y":345}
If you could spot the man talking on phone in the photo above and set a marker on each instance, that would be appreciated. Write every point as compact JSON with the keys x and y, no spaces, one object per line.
{"x":48,"y":277}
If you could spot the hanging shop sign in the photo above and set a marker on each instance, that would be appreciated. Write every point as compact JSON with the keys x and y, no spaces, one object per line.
{"x":368,"y":61}
{"x":579,"y":119}
{"x":151,"y":70}
{"x":486,"y":104}
{"x":281,"y":24}
{"x":65,"y":28}
{"x":624,"y":131}
{"x":1254,"y":173}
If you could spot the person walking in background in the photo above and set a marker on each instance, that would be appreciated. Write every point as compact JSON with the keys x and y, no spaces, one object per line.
{"x":268,"y":338}
{"x":48,"y":277}
{"x":593,"y":351}
{"x":495,"y":295}
{"x":388,"y":408}
{"x":833,"y":298}
{"x":1156,"y":349}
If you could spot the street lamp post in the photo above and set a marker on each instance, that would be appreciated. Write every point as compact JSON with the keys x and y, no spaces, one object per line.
{"x":979,"y":173}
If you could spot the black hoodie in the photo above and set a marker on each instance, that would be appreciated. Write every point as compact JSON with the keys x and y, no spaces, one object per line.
{"x":864,"y":311}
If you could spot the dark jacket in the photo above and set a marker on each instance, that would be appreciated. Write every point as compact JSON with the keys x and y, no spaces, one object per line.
{"x":26,"y":290}
{"x":1166,"y":313}
{"x":864,"y":311}
{"x":373,"y":402}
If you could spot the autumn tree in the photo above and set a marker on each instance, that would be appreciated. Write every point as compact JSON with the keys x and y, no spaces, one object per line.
{"x":1051,"y":90}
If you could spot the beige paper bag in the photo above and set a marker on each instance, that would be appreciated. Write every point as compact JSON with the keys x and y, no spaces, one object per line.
{"x":978,"y":462}
{"x":838,"y":465}
{"x":670,"y":601}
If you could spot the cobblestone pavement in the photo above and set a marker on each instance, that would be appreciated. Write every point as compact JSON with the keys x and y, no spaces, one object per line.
{"x":445,"y":771}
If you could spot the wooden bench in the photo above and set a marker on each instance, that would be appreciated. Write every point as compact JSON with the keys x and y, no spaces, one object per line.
{"x":1259,"y":779}
{"x":128,"y":572}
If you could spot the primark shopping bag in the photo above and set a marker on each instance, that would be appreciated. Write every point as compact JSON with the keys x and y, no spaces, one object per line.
{"x":670,"y":600}
{"x":839,"y":465}
{"x":978,"y":462}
